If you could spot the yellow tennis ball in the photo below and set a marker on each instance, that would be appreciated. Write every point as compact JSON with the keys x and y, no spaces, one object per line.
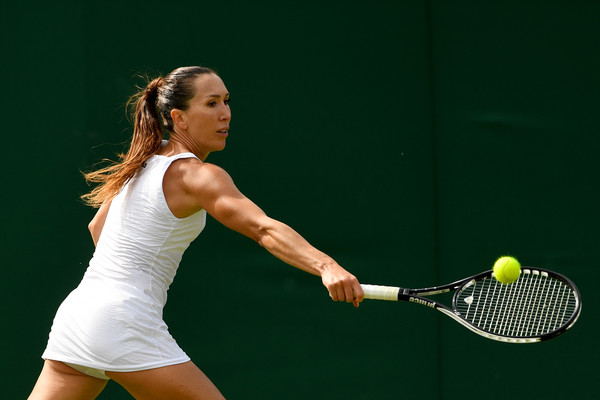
{"x":507,"y":269}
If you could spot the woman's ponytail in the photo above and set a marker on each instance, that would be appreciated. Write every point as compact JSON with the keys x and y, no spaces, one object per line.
{"x":151,"y":105}
{"x":147,"y":129}
{"x":146,"y":141}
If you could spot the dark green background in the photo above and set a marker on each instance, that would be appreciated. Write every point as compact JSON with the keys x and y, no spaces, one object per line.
{"x":413,"y":141}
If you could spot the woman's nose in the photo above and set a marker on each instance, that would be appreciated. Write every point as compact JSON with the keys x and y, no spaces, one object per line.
{"x":226,"y":115}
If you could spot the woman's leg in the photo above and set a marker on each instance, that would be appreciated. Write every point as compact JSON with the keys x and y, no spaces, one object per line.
{"x":181,"y":381}
{"x":61,"y":382}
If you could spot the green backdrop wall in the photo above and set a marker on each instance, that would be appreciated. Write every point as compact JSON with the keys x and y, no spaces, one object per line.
{"x":414,"y":141}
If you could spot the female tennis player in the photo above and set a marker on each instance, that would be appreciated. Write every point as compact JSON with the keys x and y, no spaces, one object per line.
{"x":151,"y":206}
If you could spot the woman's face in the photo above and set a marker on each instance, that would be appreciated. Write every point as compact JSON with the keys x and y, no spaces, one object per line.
{"x":206,"y":121}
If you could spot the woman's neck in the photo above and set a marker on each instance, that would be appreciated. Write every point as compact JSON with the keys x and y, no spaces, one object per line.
{"x":178,"y":144}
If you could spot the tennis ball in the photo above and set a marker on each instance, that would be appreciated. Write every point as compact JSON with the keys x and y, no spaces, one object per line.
{"x":507,"y":269}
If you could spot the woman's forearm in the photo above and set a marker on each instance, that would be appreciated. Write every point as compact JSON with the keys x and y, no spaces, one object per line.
{"x":289,"y":246}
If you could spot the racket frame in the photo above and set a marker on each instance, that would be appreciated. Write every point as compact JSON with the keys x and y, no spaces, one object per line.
{"x":393,"y":293}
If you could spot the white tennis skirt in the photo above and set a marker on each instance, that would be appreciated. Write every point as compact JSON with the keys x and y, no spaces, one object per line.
{"x":110,"y":332}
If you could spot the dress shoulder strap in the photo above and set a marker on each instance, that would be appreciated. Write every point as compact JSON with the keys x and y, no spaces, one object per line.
{"x":183,"y":155}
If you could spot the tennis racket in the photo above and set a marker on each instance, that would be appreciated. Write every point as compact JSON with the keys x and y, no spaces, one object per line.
{"x":538,"y":306}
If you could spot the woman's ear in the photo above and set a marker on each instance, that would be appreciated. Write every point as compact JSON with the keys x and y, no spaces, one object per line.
{"x":179,"y":119}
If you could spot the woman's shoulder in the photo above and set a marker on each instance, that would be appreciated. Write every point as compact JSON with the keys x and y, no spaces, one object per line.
{"x":193,"y":172}
{"x":189,"y":185}
{"x":192,"y":165}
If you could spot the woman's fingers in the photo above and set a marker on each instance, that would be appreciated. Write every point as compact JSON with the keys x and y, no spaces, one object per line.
{"x":346,"y":288}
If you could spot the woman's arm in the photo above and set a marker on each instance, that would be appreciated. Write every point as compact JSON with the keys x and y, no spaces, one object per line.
{"x":97,"y":223}
{"x":212,"y":189}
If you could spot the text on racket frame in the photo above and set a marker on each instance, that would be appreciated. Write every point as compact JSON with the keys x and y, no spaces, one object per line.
{"x":424,"y":302}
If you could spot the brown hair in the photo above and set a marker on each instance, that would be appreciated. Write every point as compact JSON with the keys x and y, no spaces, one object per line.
{"x":151,"y":104}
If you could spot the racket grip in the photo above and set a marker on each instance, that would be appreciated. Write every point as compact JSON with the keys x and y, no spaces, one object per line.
{"x":377,"y":292}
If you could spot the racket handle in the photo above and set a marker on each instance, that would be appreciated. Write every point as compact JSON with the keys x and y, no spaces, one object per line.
{"x":377,"y":292}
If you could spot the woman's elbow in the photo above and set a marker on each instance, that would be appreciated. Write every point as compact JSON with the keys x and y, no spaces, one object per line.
{"x":263,"y":233}
{"x":95,"y":228}
{"x":261,"y":237}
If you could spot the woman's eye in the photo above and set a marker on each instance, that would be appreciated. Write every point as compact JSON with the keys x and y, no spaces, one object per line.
{"x":214,"y":103}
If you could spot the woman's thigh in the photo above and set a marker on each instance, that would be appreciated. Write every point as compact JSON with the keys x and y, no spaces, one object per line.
{"x":61,"y":382}
{"x":180,"y":381}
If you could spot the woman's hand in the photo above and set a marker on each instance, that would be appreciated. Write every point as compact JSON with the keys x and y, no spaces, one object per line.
{"x":342,"y":285}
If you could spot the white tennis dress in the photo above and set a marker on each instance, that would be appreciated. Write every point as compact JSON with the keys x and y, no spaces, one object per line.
{"x":113,"y":320}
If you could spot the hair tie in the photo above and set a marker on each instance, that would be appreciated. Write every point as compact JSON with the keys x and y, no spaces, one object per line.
{"x":152,"y":88}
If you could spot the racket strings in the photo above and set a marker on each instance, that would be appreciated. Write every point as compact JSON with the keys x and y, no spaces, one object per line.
{"x":534,"y":305}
